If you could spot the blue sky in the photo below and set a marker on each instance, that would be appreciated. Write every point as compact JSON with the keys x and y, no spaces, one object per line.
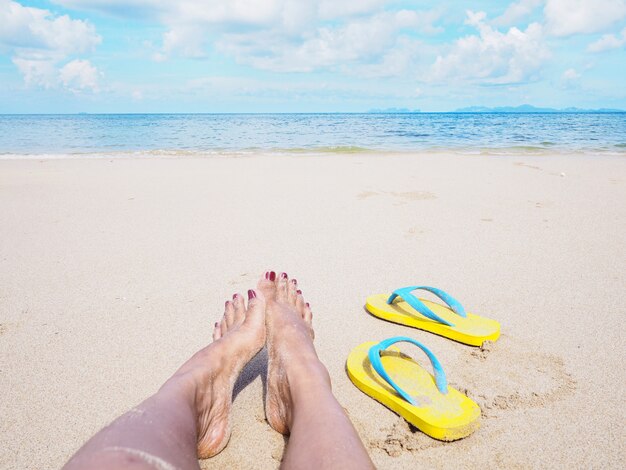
{"x":66,"y":56}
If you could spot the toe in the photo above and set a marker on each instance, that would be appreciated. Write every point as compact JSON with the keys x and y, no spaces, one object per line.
{"x":300,"y":303}
{"x":281,"y":287}
{"x":229,"y":314}
{"x":239,"y":309}
{"x":267,"y":285}
{"x":217,"y":332}
{"x":255,"y":314}
{"x":308,"y":314}
{"x":223,"y":326}
{"x":292,"y":287}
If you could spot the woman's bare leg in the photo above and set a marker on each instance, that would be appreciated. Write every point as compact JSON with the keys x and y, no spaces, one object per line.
{"x":300,"y":401}
{"x":189,"y":417}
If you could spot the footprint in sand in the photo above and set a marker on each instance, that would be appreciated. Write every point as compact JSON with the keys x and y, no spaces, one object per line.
{"x":526,"y":165}
{"x":242,"y":278}
{"x":400,"y":438}
{"x":413,"y":232}
{"x":514,"y":375}
{"x":541,"y":204}
{"x":7,"y":327}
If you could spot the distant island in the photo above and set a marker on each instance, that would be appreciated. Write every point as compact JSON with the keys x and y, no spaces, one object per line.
{"x":527,"y":108}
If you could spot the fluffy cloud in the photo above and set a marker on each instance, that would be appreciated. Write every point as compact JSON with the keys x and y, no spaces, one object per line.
{"x":79,"y":75}
{"x":608,"y":42}
{"x":38,"y":41}
{"x":369,"y":40}
{"x":26,"y":29}
{"x":517,"y":11}
{"x":493,"y":57}
{"x":567,"y":17}
{"x":282,"y":35}
{"x":570,"y":74}
{"x":252,"y":12}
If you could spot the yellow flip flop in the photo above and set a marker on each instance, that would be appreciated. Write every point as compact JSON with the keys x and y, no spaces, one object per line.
{"x":450,"y":321}
{"x":402,"y":385}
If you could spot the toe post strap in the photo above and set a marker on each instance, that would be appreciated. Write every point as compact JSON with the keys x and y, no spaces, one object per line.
{"x":406,"y":294}
{"x":376,"y":351}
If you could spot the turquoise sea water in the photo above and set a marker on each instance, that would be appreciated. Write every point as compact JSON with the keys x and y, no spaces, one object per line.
{"x":162,"y":134}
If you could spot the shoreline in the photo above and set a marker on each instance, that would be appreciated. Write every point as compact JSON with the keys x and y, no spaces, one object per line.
{"x":520,"y":151}
{"x":114,"y":270}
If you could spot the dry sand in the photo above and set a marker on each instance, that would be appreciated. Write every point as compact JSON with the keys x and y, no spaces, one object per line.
{"x":113,"y":271}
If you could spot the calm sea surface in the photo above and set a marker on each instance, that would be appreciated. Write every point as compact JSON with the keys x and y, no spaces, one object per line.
{"x":156,"y":134}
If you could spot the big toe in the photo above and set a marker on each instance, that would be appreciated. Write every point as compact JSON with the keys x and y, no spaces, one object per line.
{"x":255,"y":313}
{"x":267,"y":285}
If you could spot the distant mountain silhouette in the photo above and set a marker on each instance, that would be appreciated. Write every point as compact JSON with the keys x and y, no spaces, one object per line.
{"x":527,"y":108}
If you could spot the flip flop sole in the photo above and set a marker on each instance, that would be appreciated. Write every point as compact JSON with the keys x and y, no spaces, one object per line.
{"x":444,"y":417}
{"x":473,"y":330}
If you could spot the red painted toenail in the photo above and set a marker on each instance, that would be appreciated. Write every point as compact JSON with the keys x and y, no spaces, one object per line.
{"x":235,"y":296}
{"x":251,"y":294}
{"x":283,"y":275}
{"x":272,"y":276}
{"x":215,"y":324}
{"x":267,"y":274}
{"x":307,"y":304}
{"x":299,"y":291}
{"x":294,"y":281}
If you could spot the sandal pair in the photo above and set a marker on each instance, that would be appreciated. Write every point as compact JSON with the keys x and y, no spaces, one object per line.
{"x":396,"y":380}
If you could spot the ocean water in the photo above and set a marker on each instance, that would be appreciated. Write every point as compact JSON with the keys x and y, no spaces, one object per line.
{"x":182,"y":134}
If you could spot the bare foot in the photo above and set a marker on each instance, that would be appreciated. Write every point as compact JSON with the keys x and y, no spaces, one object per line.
{"x":293,"y":362}
{"x":212,"y":371}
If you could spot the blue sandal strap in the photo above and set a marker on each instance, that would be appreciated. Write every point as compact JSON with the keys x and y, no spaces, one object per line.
{"x":405,"y":293}
{"x":374,"y":357}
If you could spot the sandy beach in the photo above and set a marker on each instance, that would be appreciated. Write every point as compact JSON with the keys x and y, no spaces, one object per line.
{"x":112,"y":273}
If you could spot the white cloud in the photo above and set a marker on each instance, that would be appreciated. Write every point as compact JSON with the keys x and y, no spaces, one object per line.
{"x":570,"y":74}
{"x":493,"y":57}
{"x":367,"y":40}
{"x":37,"y":72}
{"x":567,"y":17}
{"x":79,"y":75}
{"x":33,"y":29}
{"x":282,"y":35}
{"x":517,"y":11}
{"x":38,"y":41}
{"x":608,"y":42}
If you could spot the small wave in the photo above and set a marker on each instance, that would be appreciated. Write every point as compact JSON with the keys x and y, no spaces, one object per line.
{"x":619,"y":150}
{"x":341,"y":149}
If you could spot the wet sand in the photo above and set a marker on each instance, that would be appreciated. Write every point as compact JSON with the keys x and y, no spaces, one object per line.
{"x":112,"y":273}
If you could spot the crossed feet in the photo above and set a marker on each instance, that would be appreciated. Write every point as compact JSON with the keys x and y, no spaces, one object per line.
{"x":277,"y":315}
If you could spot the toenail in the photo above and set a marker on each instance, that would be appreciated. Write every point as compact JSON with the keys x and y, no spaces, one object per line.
{"x":226,"y":304}
{"x":272,"y":276}
{"x":299,"y":291}
{"x":283,"y":275}
{"x":293,"y":281}
{"x":308,"y":305}
{"x":215,"y":324}
{"x":235,"y":296}
{"x":251,"y":294}
{"x":267,"y":274}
